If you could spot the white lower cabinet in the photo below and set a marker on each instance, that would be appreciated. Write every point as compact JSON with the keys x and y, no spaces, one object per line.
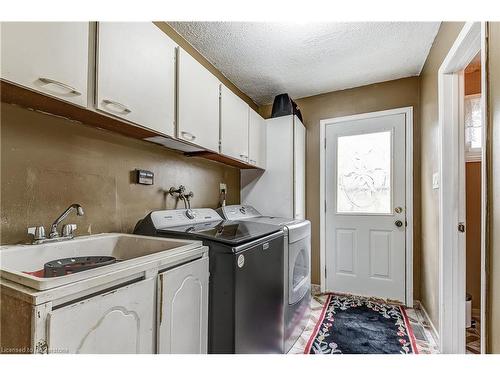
{"x":118,"y":321}
{"x":183,"y":309}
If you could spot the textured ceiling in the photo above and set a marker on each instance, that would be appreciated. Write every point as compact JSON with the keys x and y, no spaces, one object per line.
{"x":265,"y":59}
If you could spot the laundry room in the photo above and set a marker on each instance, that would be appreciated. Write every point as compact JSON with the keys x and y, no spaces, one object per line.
{"x":222,"y":185}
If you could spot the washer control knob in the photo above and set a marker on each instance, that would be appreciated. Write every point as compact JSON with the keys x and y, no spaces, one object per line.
{"x":190,"y":214}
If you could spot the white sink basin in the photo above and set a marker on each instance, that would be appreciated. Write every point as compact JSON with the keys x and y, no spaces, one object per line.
{"x":17,"y":260}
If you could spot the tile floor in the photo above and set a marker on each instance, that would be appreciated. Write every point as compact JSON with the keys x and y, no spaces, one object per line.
{"x":473,"y":338}
{"x":424,"y":336}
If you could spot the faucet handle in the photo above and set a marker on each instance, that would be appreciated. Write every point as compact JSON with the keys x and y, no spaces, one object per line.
{"x":37,"y":232}
{"x":68,"y":230}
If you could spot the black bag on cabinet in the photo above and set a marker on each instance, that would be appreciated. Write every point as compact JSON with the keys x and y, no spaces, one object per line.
{"x":283,"y":105}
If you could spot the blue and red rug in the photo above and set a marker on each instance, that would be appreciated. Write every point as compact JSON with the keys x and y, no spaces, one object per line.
{"x":351,"y":324}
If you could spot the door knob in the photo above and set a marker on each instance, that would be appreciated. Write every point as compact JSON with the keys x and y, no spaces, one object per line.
{"x":399,"y":223}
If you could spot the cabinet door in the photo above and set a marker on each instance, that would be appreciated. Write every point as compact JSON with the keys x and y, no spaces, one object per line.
{"x":50,"y":57}
{"x":136,"y":74}
{"x":183,"y":309}
{"x":198,"y":103}
{"x":118,"y":321}
{"x":234,"y":125}
{"x":256,"y":139}
{"x":299,"y":169}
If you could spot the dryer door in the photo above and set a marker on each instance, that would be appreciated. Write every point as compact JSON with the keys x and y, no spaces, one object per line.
{"x":299,"y":269}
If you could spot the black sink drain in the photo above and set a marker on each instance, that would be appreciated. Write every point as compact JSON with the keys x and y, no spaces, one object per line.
{"x":67,"y":266}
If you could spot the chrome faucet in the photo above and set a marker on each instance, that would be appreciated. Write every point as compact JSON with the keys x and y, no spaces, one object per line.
{"x":186,"y":198}
{"x":53,"y":230}
{"x":67,"y":232}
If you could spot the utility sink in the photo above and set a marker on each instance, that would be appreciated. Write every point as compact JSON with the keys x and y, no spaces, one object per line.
{"x":19,"y":262}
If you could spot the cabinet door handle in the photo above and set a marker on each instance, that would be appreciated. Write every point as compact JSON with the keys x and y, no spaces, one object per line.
{"x":188,"y":136}
{"x":122,"y":107}
{"x":243,"y":156}
{"x":70,"y":89}
{"x":253,"y":161}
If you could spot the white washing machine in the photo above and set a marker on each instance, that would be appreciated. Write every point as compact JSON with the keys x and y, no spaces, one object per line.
{"x":297,"y":272}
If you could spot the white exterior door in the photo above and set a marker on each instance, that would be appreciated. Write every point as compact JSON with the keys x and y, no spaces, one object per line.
{"x":365,"y":220}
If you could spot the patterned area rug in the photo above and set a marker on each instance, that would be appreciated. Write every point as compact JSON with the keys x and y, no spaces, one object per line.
{"x":360,"y":325}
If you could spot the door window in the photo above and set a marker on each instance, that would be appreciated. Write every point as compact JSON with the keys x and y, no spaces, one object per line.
{"x":473,"y":127}
{"x":364,"y":173}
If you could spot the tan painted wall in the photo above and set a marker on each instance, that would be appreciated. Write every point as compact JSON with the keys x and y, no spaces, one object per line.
{"x":377,"y":97}
{"x":48,"y":163}
{"x":494,"y":188}
{"x":430,"y":164}
{"x":472,"y":82}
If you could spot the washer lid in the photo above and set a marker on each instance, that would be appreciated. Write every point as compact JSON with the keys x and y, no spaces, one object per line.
{"x":227,"y":232}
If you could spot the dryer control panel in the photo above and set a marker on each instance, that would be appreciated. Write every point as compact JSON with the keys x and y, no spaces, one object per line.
{"x":238,"y":212}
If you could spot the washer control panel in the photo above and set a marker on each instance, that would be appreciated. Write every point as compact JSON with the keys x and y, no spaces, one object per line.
{"x":173,"y":218}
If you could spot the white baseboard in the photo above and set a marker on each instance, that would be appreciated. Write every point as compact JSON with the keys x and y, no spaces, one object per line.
{"x":427,"y":317}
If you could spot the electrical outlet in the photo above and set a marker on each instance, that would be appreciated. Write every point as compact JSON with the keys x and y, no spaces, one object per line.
{"x":222,"y":188}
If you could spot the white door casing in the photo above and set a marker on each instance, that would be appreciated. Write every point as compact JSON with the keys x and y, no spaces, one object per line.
{"x":362,"y":249}
{"x":470,"y":41}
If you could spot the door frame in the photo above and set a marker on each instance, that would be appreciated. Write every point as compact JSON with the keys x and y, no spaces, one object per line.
{"x":452,"y":256}
{"x":408,"y":112}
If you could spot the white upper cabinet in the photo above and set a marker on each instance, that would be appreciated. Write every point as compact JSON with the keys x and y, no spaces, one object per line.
{"x":234,"y":125}
{"x":50,"y":57}
{"x":256,"y":139}
{"x":299,"y":169}
{"x":136,"y":74}
{"x":198,"y":103}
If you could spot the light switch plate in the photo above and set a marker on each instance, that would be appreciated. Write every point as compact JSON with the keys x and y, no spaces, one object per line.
{"x":222,"y":187}
{"x":435,"y":180}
